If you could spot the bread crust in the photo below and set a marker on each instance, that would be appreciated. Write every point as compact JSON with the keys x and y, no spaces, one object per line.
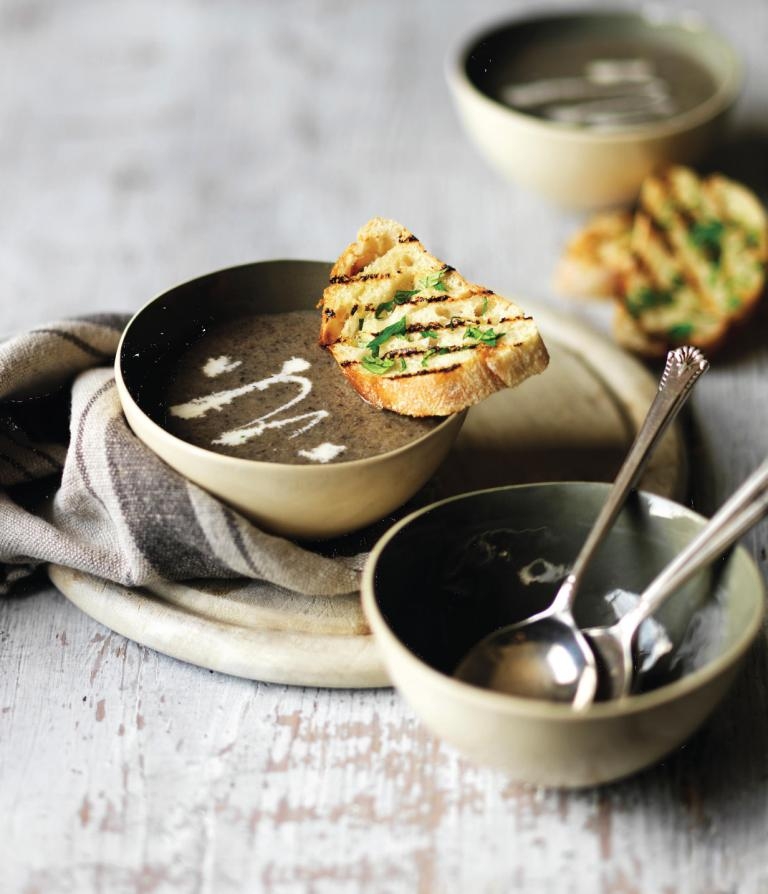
{"x":456,"y":342}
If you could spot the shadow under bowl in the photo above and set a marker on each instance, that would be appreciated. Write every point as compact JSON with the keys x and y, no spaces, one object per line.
{"x":309,"y":501}
{"x":591,"y":166}
{"x":448,"y":575}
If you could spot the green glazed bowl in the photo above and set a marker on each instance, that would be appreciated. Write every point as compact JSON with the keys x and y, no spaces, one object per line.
{"x":449,"y":574}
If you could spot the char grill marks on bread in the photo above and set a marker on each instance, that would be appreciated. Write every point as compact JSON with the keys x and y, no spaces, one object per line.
{"x":684,"y":268}
{"x":412,"y":335}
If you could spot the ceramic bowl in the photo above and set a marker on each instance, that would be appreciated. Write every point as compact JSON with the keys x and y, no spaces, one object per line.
{"x":449,"y":574}
{"x":304,"y":501}
{"x":581,"y":167}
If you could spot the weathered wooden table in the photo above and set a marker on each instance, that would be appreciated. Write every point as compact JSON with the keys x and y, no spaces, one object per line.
{"x":144,"y":143}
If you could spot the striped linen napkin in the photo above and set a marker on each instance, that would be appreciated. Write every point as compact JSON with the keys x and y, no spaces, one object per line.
{"x":77,"y":488}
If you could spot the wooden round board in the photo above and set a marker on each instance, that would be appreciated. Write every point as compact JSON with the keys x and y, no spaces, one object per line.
{"x":225,"y":628}
{"x":575,"y":422}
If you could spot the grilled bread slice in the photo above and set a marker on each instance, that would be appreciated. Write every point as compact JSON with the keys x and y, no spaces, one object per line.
{"x":715,"y":233}
{"x":597,"y":257}
{"x":691,"y":266}
{"x":703,"y":331}
{"x":412,"y":335}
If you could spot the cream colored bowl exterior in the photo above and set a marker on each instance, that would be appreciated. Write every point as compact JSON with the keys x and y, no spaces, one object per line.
{"x":576,"y":170}
{"x":548,"y":744}
{"x":544,"y":747}
{"x":582,"y":168}
{"x":302,"y":501}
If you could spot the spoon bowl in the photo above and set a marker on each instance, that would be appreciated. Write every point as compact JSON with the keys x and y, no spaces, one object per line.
{"x":550,"y":655}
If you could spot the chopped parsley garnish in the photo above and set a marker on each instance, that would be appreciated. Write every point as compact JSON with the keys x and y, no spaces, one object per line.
{"x":646,"y":298}
{"x":429,"y":333}
{"x":487,"y":337}
{"x":403,"y":364}
{"x":431,"y":353}
{"x":680,"y":331}
{"x":484,"y":308}
{"x":398,"y":328}
{"x":707,"y":235}
{"x":402,"y":296}
{"x":433,"y":281}
{"x":377,"y":365}
{"x":733,"y":303}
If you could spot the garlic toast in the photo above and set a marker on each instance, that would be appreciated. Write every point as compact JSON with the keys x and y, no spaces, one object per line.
{"x":413,"y":336}
{"x":688,"y":266}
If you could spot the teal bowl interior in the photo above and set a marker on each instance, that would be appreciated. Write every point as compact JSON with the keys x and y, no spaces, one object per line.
{"x":460,"y":569}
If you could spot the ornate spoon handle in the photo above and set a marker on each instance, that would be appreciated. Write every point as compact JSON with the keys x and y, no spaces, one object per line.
{"x":682,"y":369}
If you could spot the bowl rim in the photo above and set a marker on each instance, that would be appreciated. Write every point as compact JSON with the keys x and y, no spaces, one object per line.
{"x":241,"y":463}
{"x":539,"y":709}
{"x":725,"y":94}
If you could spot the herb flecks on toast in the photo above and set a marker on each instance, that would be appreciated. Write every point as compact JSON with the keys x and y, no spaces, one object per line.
{"x":685,"y":268}
{"x":412,"y":335}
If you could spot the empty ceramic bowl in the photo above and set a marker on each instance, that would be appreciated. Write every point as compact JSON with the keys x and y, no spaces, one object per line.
{"x":446,"y":576}
{"x":195,"y":400}
{"x":582,"y":106}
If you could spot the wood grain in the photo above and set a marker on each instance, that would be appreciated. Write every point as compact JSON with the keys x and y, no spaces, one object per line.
{"x":142,"y":144}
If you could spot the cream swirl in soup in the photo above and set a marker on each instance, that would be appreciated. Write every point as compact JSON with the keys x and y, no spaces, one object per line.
{"x":260,"y":387}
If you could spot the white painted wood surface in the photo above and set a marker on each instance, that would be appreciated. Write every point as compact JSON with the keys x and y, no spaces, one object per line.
{"x":144,"y":143}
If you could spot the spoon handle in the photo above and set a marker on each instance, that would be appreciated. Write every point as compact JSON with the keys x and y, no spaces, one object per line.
{"x":682,"y":369}
{"x":735,"y":517}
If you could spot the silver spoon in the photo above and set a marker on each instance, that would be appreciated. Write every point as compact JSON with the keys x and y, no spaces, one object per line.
{"x":615,"y":645}
{"x":547,"y":656}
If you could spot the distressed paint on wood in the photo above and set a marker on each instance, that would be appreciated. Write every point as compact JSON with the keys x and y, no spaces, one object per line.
{"x":140,"y":771}
{"x":142,"y":144}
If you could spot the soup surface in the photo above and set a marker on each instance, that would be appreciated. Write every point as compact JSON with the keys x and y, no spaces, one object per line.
{"x":261,"y":388}
{"x":598,"y":83}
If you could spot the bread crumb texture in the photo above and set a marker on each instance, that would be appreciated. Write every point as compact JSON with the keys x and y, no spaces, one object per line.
{"x":413,"y":336}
